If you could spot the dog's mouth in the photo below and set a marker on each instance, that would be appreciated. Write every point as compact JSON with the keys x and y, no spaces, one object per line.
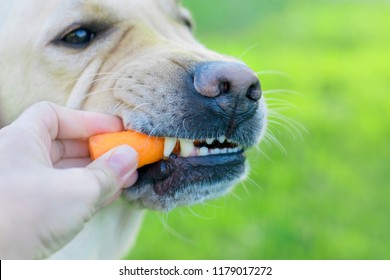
{"x":200,"y":148}
{"x":217,"y":99}
{"x":192,"y":170}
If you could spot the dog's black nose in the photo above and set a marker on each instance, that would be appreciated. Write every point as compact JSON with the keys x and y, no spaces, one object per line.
{"x":226,"y":95}
{"x":220,"y":78}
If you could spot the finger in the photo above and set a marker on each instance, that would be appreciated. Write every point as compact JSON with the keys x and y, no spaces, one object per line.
{"x":68,"y":148}
{"x":72,"y":163}
{"x":112,"y":199}
{"x":131,"y":180}
{"x":106,"y":175}
{"x":65,"y":123}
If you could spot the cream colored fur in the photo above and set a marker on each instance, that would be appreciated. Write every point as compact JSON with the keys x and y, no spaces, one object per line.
{"x":142,"y":37}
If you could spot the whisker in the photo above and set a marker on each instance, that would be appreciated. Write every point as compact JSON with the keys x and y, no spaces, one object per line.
{"x":273,"y":72}
{"x":111,"y":79}
{"x":279,"y":106}
{"x":114,"y":76}
{"x":236,"y":196}
{"x":297,"y":127}
{"x":154,"y":128}
{"x":212,"y":204}
{"x":281,"y":91}
{"x":88,"y":76}
{"x":192,"y":211}
{"x":255,"y":184}
{"x":263,"y":153}
{"x":244,"y":186}
{"x":184,"y":127}
{"x":274,"y":129}
{"x":140,"y":105}
{"x":107,"y":73}
{"x":247,"y":50}
{"x":276,"y":99}
{"x":266,"y":141}
{"x":270,"y":135}
{"x":291,"y":131}
{"x":144,"y":86}
{"x":104,"y":90}
{"x":168,"y":229}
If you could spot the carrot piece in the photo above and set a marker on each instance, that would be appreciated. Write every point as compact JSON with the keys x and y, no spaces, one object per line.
{"x":150,"y":149}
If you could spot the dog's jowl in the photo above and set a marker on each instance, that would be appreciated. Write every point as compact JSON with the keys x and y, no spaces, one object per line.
{"x":136,"y":59}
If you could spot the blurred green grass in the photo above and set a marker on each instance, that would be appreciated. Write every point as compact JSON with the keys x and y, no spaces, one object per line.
{"x":324,"y":194}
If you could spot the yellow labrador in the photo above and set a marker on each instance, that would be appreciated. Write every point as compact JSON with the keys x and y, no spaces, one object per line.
{"x":136,"y":59}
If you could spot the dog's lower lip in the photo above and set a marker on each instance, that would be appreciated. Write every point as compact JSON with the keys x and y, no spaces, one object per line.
{"x":164,"y":168}
{"x":177,"y":171}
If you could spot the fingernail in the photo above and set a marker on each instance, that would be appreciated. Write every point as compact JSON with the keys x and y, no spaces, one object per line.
{"x":123,"y":160}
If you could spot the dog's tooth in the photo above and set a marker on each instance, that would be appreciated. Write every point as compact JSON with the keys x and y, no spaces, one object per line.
{"x":204,"y":151}
{"x":169,"y":145}
{"x":215,"y":151}
{"x":209,"y":141}
{"x":221,"y":139}
{"x":186,"y":147}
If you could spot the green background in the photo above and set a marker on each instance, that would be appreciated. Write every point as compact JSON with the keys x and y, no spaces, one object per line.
{"x":319,"y":186}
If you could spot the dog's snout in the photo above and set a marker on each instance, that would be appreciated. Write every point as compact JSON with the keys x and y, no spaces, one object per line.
{"x":213,"y":79}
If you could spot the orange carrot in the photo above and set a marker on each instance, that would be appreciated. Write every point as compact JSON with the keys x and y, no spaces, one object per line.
{"x":150,"y":149}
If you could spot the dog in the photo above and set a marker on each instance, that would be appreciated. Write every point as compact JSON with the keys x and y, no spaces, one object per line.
{"x":139,"y":60}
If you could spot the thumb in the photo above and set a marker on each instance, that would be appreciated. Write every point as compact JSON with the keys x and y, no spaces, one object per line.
{"x":113,"y":171}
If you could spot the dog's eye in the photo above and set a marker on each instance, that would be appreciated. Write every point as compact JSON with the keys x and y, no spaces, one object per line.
{"x":79,"y":37}
{"x":188,"y":22}
{"x":185,"y":18}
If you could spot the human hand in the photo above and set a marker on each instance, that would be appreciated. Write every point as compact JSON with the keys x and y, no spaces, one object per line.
{"x":49,"y":187}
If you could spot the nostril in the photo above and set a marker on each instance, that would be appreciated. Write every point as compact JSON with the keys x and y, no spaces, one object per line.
{"x":211,"y":79}
{"x":224,"y":87}
{"x":254,"y":91}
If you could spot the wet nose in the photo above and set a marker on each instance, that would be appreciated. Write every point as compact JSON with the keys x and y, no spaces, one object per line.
{"x":233,"y":79}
